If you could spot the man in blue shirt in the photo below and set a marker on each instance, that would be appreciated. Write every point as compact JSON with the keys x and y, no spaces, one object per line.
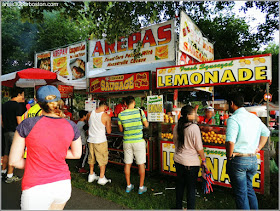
{"x":246,"y":135}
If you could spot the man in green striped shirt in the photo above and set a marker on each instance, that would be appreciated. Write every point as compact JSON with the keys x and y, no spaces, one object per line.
{"x":131,"y":122}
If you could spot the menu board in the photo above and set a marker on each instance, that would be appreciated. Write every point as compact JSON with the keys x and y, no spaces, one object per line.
{"x":155,"y":108}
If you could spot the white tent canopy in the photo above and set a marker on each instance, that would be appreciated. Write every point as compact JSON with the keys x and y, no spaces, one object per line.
{"x":128,"y":69}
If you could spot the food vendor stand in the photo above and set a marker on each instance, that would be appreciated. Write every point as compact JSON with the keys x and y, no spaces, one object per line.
{"x":121,"y":73}
{"x":243,"y":70}
{"x":119,"y":86}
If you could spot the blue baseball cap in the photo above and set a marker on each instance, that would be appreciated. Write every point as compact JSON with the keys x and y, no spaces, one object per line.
{"x":47,"y":90}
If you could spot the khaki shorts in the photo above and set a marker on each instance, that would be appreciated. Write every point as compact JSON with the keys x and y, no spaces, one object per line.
{"x":99,"y":153}
{"x":138,"y":150}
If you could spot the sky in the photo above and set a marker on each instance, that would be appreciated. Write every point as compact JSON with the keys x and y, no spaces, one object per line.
{"x":254,"y":17}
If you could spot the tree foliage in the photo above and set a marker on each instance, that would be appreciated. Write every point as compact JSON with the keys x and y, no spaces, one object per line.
{"x":16,"y":41}
{"x":271,"y":24}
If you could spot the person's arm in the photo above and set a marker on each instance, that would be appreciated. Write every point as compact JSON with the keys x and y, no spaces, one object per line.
{"x":264,"y":137}
{"x":231,"y":136}
{"x":120,"y":123}
{"x":146,"y":123}
{"x":201,"y":154}
{"x":88,"y":116}
{"x":196,"y":133}
{"x":263,"y":140}
{"x":19,"y":119}
{"x":120,"y":128}
{"x":229,"y":149}
{"x":144,"y":119}
{"x":17,"y":150}
{"x":108,"y":124}
{"x":75,"y":151}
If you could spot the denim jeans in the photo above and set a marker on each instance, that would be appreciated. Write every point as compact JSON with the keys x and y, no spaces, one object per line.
{"x":186,"y":177}
{"x":241,"y":171}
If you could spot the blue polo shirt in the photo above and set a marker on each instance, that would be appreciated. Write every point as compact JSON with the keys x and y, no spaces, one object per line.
{"x":244,"y":130}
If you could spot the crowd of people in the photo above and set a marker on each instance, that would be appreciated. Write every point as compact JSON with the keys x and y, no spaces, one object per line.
{"x":51,"y":137}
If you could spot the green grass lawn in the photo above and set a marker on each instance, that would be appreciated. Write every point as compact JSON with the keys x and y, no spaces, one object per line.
{"x":221,"y":198}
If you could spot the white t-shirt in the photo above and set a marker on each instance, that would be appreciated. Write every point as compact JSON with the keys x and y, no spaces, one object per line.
{"x":97,"y":130}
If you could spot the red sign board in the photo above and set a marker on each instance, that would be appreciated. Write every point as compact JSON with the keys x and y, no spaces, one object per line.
{"x":119,"y":83}
{"x":65,"y":91}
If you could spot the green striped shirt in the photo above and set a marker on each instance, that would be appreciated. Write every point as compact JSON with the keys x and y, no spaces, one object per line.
{"x":130,"y":119}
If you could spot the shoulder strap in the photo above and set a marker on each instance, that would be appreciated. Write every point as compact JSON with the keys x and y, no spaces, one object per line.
{"x":37,"y":114}
{"x":189,"y":125}
{"x":140,"y":115}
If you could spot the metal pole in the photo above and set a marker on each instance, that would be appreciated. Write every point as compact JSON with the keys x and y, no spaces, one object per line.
{"x":213,"y":98}
{"x":267,"y":150}
{"x":268,"y":144}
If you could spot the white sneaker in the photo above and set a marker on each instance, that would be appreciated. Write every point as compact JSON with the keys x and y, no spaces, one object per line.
{"x":92,"y":177}
{"x":103,"y":181}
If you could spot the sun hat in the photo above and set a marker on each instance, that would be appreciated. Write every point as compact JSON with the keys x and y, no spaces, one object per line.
{"x":47,"y":90}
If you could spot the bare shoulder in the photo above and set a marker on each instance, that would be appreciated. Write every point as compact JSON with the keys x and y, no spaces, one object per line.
{"x":106,"y":116}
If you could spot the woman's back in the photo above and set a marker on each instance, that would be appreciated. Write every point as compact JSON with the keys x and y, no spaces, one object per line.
{"x":47,"y":140}
{"x":188,"y":155}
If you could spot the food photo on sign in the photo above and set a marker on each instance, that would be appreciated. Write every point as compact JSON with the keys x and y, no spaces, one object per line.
{"x":44,"y":61}
{"x":77,"y":67}
{"x":60,"y":63}
{"x":60,"y":66}
{"x":77,"y":55}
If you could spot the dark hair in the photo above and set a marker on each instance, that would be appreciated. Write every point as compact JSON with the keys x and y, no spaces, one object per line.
{"x":15,"y":91}
{"x":237,"y":98}
{"x":103,"y":103}
{"x":82,"y":113}
{"x":129,"y":100}
{"x":185,"y":111}
{"x":124,"y":100}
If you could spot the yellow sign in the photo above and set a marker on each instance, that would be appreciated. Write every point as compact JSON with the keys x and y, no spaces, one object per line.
{"x":216,"y":163}
{"x":253,"y":69}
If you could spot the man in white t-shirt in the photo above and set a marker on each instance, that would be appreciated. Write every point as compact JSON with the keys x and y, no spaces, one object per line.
{"x":99,"y":122}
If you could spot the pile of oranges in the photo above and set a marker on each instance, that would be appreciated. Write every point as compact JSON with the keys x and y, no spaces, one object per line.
{"x":167,"y":135}
{"x":212,"y":137}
